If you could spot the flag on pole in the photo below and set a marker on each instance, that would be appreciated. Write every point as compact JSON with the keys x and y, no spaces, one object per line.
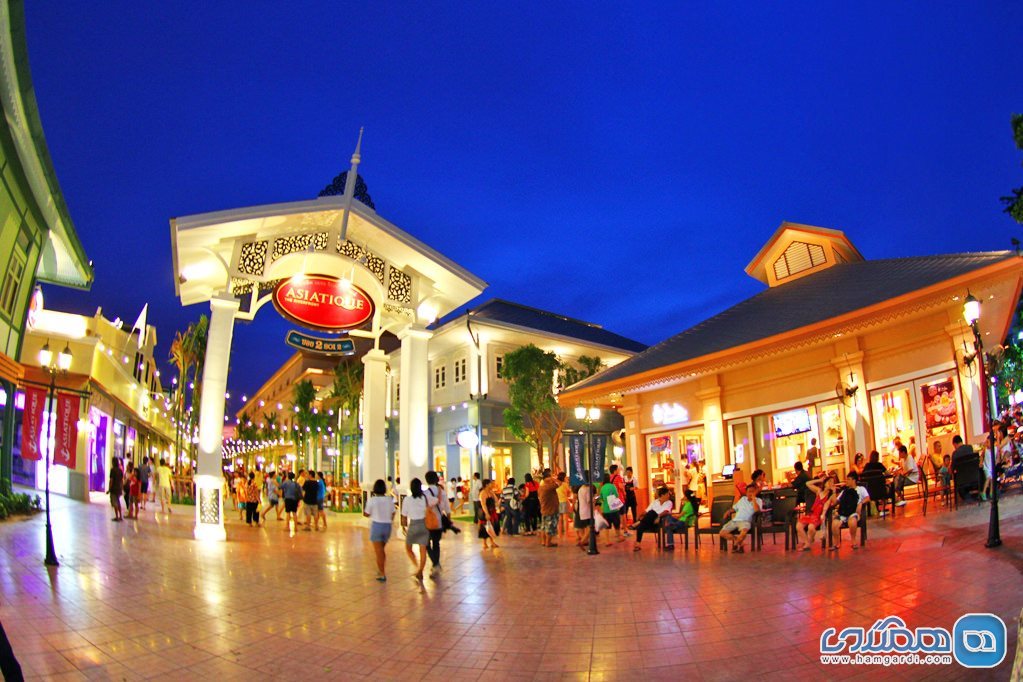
{"x":32,"y":423}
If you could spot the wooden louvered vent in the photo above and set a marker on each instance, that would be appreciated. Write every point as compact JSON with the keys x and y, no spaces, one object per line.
{"x":798,"y":257}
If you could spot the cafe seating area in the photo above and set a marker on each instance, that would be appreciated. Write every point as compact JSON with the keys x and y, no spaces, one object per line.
{"x":782,"y":511}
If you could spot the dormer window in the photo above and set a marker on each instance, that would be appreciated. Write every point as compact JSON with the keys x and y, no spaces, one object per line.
{"x":797,"y":257}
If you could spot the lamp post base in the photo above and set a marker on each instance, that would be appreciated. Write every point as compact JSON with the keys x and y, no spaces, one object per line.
{"x":51,"y":553}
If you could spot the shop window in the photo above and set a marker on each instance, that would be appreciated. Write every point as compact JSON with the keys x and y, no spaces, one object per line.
{"x":12,"y":284}
{"x":894,"y":420}
{"x":461,"y":364}
{"x":798,"y":257}
{"x":793,"y":431}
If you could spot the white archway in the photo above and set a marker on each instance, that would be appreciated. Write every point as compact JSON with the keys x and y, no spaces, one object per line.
{"x":233,"y":259}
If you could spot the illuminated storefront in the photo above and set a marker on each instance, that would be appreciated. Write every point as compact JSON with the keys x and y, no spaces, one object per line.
{"x":847,"y":352}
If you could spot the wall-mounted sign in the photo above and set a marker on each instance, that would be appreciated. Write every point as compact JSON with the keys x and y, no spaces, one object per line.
{"x":670,"y":413}
{"x":317,"y":345}
{"x":323,"y":302}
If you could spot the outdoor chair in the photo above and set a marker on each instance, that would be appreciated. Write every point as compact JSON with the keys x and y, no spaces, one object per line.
{"x":939,"y":488}
{"x":965,"y":478}
{"x":780,"y":519}
{"x":663,"y":539}
{"x":719,"y":506}
{"x":877,"y":488}
{"x":861,"y":526}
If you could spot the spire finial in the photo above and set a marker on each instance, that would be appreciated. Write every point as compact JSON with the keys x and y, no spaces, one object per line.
{"x":357,"y":155}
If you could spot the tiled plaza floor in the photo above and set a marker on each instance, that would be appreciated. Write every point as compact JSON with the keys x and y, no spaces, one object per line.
{"x":143,"y":600}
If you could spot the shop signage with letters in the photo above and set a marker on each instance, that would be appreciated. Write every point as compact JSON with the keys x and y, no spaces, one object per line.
{"x":323,"y":302}
{"x":670,"y":413}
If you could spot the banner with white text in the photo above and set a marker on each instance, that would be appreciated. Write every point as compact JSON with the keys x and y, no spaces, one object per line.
{"x":65,"y":442}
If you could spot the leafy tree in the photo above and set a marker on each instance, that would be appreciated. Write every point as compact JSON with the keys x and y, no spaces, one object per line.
{"x":1014,"y":202}
{"x":535,"y":415}
{"x":530,"y":374}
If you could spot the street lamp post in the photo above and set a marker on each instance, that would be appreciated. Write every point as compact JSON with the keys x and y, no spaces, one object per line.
{"x":971,"y":313}
{"x":61,"y":367}
{"x":587,"y":417}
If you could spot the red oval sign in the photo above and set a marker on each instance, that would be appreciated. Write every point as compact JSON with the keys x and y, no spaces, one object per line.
{"x":323,"y":302}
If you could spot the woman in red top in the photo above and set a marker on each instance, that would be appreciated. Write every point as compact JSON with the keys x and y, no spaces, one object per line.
{"x":808,"y":523}
{"x":531,"y":506}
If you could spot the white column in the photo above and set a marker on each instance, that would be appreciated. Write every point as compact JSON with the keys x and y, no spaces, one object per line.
{"x":414,"y":404}
{"x":860,"y":430}
{"x":209,"y":508}
{"x":374,"y":418}
{"x":969,"y":382}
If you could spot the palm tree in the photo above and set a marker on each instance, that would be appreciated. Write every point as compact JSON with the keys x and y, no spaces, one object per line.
{"x":181,"y":359}
{"x":344,"y":395}
{"x":303,"y":397}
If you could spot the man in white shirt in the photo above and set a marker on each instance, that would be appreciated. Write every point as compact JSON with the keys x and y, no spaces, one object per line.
{"x":474,"y":494}
{"x":850,"y":510}
{"x":908,"y":474}
{"x":657,"y":509}
{"x":742,"y":518}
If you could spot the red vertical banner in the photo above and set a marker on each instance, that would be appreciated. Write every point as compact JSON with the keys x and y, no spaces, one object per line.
{"x":32,"y":423}
{"x":65,"y":446}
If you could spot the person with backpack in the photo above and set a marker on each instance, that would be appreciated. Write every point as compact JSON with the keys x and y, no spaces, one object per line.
{"x":434,"y":497}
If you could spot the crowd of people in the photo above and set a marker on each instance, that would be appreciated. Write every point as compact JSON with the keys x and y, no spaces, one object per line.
{"x":137,"y":485}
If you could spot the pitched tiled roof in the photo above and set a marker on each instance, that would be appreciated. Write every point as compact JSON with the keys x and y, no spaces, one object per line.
{"x":506,"y":312}
{"x":840,"y":289}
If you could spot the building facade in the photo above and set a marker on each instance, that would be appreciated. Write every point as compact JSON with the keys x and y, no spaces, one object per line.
{"x":469,"y":393}
{"x":847,"y":352}
{"x":38,"y":242}
{"x":124,"y":411}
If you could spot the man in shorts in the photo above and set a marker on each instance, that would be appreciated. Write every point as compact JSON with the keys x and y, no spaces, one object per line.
{"x":742,"y":518}
{"x":549,"y":509}
{"x":850,"y":507}
{"x":291,"y":494}
{"x":310,"y":499}
{"x":145,"y":471}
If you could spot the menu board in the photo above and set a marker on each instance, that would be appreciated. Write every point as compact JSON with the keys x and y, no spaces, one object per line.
{"x":941,"y":412}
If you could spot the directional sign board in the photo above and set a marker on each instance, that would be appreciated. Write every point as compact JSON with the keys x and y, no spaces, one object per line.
{"x":314,"y":344}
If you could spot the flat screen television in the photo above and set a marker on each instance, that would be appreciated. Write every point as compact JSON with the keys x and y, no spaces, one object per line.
{"x":791,"y":422}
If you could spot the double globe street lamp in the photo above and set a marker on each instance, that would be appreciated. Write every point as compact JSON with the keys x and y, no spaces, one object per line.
{"x":60,"y":367}
{"x":587,"y":416}
{"x":971,"y":313}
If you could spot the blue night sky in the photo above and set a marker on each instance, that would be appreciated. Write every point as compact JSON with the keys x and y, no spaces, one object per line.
{"x":615,"y":162}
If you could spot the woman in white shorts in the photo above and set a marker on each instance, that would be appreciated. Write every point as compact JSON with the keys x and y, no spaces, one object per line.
{"x":413,"y":515}
{"x":380,"y":510}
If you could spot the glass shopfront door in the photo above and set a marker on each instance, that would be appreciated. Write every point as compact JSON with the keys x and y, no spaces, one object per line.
{"x":923,"y":415}
{"x":740,"y":446}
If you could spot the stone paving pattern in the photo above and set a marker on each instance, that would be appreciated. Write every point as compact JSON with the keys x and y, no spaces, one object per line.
{"x":143,"y":600}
